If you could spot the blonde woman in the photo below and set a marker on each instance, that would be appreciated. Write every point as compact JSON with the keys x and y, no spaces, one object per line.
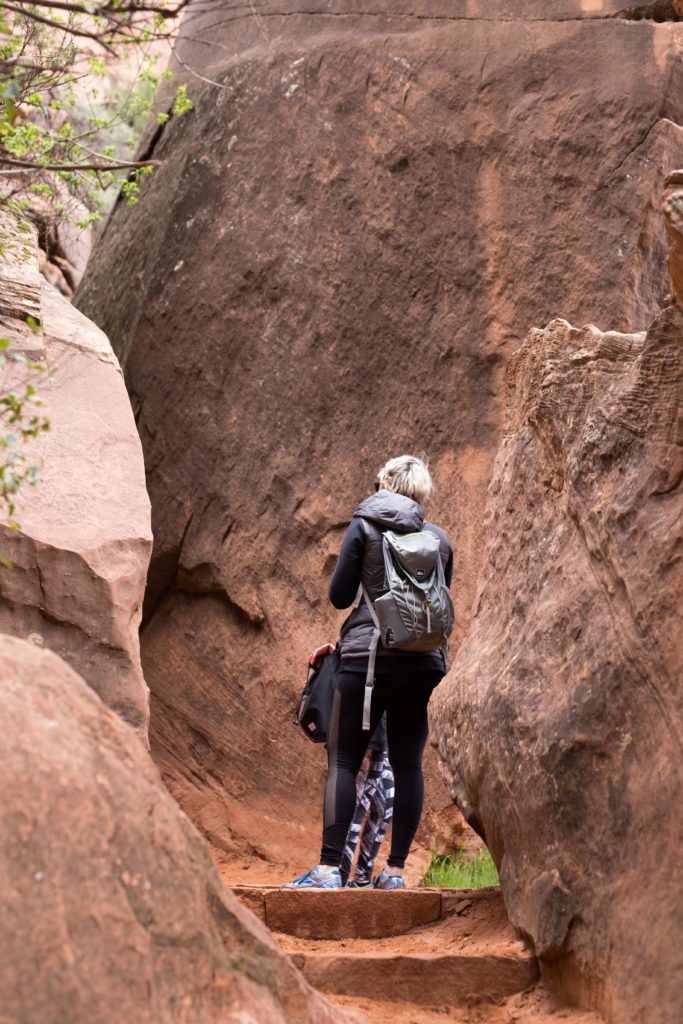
{"x":403,"y":680}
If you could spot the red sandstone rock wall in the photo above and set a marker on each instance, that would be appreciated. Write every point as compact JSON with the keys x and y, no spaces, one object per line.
{"x":562,"y":721}
{"x":345,"y":242}
{"x":80,"y":557}
{"x":111,"y":907}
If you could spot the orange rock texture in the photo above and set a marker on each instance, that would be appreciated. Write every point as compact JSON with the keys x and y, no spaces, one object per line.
{"x":111,"y":907}
{"x":561,"y":723}
{"x":79,"y":558}
{"x":346,"y":240}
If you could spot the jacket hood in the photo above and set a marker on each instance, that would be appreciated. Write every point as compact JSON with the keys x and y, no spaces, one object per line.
{"x":392,"y":511}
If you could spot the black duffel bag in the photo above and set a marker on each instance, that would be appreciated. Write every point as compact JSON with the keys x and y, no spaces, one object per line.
{"x":315,"y":704}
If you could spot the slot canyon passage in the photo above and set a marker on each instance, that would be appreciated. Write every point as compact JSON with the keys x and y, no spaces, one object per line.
{"x":448,"y":226}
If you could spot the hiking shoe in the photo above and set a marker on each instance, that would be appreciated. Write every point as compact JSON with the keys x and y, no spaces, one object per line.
{"x":355,"y":884}
{"x":316,"y":879}
{"x":387,"y":881}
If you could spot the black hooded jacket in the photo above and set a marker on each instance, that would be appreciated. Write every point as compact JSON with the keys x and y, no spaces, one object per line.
{"x":361,"y":559}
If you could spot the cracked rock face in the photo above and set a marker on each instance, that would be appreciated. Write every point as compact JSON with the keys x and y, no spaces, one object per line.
{"x":561,"y":723}
{"x":673,"y":216}
{"x":223,"y":30}
{"x":79,"y":560}
{"x":112,"y":909}
{"x":345,"y":241}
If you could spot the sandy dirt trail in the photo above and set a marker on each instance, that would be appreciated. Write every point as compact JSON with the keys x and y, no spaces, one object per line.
{"x":421,"y":956}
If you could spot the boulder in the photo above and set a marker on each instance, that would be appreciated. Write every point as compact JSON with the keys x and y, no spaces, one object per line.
{"x":111,"y":906}
{"x":79,"y":559}
{"x":346,"y":240}
{"x":561,"y":723}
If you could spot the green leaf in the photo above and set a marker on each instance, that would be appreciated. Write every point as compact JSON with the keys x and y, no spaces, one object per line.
{"x":182,"y":103}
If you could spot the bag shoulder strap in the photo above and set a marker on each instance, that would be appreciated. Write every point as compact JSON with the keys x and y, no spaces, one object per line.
{"x":374,"y":642}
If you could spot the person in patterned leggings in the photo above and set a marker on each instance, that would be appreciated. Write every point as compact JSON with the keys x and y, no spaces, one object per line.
{"x":374,"y":798}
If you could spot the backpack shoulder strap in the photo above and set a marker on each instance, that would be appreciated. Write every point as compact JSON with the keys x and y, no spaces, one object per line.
{"x":374,"y":642}
{"x":370,"y":677}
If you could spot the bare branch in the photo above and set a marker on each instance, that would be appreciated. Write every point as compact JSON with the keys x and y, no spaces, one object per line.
{"x":196,"y":74}
{"x":114,"y":166}
{"x":23,"y":63}
{"x":69,"y":29}
{"x":103,"y":10}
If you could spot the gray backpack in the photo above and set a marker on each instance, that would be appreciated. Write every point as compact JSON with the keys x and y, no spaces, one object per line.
{"x":416,"y":613}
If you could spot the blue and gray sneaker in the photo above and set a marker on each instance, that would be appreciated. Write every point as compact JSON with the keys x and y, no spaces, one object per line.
{"x":387,"y":881}
{"x":316,"y":879}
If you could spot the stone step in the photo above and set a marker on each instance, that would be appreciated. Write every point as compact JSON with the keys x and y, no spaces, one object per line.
{"x":360,"y":913}
{"x":451,"y":979}
{"x":414,"y":946}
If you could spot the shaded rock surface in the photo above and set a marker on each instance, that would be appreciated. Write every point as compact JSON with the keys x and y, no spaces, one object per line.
{"x":562,"y":721}
{"x":111,"y":907}
{"x":79,"y":560}
{"x":348,"y":237}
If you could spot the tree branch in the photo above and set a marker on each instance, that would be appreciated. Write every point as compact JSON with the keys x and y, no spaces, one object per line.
{"x":69,"y":29}
{"x":33,"y":165}
{"x":102,"y":9}
{"x":196,"y":74}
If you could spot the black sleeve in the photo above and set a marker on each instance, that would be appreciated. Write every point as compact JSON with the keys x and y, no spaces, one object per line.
{"x":346,"y":575}
{"x":448,"y":571}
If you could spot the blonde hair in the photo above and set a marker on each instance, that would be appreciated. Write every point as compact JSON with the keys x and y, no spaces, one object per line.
{"x":406,"y":475}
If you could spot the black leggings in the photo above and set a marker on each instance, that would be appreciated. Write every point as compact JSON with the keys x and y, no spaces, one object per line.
{"x":404,"y":696}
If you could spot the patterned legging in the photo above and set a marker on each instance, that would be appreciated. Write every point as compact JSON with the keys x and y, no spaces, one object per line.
{"x":374,"y":797}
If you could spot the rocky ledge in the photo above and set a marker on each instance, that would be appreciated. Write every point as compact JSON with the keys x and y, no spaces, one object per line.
{"x":79,"y":559}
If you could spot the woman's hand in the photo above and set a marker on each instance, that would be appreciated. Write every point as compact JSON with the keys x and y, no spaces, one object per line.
{"x":320,"y":652}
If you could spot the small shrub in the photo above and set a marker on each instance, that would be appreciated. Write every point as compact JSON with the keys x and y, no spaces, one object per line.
{"x":448,"y":872}
{"x":21,"y":419}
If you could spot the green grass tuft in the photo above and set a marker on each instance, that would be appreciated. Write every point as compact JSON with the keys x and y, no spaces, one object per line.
{"x":447,"y":872}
